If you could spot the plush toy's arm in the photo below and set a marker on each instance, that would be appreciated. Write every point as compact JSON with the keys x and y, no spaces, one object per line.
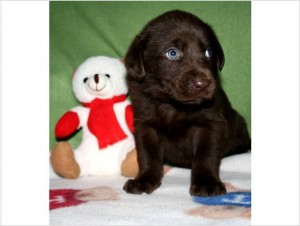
{"x":129,"y":117}
{"x":67,"y":124}
{"x":71,"y":121}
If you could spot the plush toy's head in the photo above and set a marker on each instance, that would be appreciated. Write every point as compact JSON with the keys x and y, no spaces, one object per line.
{"x":99,"y":77}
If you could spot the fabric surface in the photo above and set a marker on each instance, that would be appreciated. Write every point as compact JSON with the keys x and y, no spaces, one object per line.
{"x":101,"y":200}
{"x":79,"y":30}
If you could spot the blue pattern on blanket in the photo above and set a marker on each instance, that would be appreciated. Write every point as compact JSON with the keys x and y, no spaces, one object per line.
{"x":242,"y":199}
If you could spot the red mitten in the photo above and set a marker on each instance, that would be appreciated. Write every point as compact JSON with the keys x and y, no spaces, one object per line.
{"x":129,"y":117}
{"x":67,"y":124}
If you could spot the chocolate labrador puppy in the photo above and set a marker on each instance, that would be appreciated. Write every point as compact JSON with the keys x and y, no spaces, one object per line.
{"x":181,"y":114}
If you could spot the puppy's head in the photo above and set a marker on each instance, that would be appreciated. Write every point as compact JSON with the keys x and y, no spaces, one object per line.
{"x":176,"y":55}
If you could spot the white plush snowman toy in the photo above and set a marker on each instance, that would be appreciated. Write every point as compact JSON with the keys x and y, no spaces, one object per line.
{"x":105,"y":116}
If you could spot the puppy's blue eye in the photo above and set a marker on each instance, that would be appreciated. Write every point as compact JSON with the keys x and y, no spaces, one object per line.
{"x":208,"y":52}
{"x":173,"y":54}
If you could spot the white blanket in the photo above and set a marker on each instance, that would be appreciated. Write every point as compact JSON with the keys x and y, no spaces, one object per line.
{"x":102,"y":201}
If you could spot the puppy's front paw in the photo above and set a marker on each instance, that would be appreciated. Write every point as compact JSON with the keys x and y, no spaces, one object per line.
{"x":208,"y":189}
{"x":138,"y":186}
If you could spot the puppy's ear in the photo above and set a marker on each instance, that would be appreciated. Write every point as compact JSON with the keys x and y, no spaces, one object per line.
{"x":220,"y":56}
{"x":134,"y":58}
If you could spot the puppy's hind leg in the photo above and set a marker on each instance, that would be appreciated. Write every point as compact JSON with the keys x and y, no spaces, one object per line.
{"x":242,"y":141}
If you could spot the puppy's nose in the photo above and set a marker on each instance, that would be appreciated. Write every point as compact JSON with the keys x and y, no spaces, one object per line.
{"x":200,"y":83}
{"x":96,"y":78}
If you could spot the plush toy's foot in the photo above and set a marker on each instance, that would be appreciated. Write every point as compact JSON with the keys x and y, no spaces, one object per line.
{"x":129,"y":166}
{"x":63,"y":161}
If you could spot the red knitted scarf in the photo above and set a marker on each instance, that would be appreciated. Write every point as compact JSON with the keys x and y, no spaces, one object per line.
{"x":102,"y":121}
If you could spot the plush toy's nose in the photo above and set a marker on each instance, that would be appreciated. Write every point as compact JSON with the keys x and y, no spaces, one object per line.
{"x":96,"y":78}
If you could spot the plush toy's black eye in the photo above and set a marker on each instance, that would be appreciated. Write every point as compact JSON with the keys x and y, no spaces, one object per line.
{"x":85,"y":79}
{"x":107,"y":75}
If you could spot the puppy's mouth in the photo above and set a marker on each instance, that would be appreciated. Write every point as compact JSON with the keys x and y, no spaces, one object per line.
{"x":188,"y":100}
{"x":189,"y":94}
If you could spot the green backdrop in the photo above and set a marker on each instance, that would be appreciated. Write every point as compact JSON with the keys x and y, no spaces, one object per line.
{"x":79,"y":30}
